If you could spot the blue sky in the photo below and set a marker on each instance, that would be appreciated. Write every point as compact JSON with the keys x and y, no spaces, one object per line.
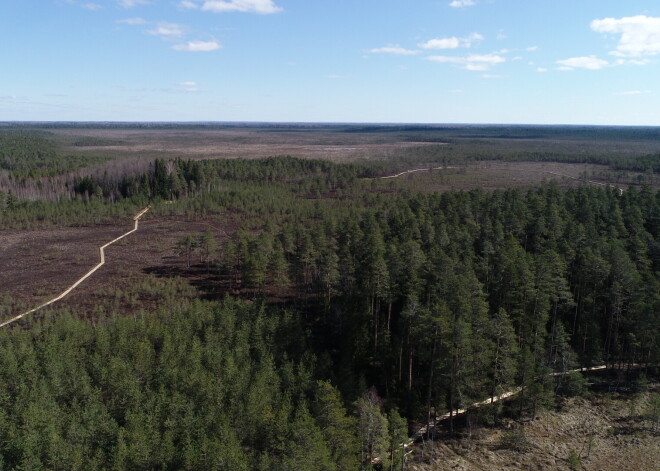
{"x":421,"y":61}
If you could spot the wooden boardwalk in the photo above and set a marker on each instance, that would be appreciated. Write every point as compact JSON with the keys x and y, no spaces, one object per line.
{"x":136,"y":218}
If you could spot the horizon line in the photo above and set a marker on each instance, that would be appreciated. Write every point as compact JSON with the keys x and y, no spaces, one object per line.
{"x":325,"y":123}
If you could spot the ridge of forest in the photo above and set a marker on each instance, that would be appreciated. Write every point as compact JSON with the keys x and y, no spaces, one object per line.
{"x":340,"y":310}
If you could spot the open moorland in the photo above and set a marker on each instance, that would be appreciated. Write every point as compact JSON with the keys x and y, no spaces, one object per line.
{"x":600,"y":153}
{"x":348,"y":142}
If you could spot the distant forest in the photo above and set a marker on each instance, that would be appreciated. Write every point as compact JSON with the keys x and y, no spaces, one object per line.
{"x":350,"y":311}
{"x":617,"y":133}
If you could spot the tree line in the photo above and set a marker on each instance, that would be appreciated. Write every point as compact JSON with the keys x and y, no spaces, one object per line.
{"x":33,"y":154}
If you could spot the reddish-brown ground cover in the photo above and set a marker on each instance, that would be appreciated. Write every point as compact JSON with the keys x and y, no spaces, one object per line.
{"x":41,"y":263}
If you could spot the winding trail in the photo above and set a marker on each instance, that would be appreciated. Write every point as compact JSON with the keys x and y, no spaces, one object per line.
{"x":621,"y":190}
{"x":414,"y":170}
{"x":400,"y":174}
{"x":425,"y":429}
{"x":136,"y":218}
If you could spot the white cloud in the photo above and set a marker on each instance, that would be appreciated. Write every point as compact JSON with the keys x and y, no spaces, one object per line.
{"x":531,"y":48}
{"x":86,"y":5}
{"x":633,"y":61}
{"x":462,"y":3}
{"x":188,"y":4}
{"x":398,"y":50}
{"x":500,"y":36}
{"x":198,"y":46}
{"x":263,"y":7}
{"x":132,"y":3}
{"x":451,"y":42}
{"x":168,"y":30}
{"x":189,"y":87}
{"x":584,"y":62}
{"x":441,"y":43}
{"x":474,"y":62}
{"x":133,"y":21}
{"x":634,"y":92}
{"x":541,"y":69}
{"x":640,"y":35}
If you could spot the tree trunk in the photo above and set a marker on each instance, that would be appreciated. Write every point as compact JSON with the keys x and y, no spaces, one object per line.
{"x":428,"y":398}
{"x":389,"y":315}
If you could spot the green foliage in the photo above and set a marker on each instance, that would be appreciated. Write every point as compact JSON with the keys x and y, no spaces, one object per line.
{"x":373,"y":429}
{"x":653,"y":411}
{"x":186,"y":247}
{"x":398,"y":438}
{"x":574,"y":384}
{"x":574,"y":460}
{"x":516,"y":440}
{"x":435,"y":301}
{"x":641,"y":383}
{"x":31,"y":154}
{"x":195,"y":388}
{"x":208,"y":246}
{"x":337,"y":427}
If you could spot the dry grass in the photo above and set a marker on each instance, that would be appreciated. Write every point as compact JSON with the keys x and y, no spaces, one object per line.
{"x":491,"y":176}
{"x":601,"y":432}
{"x":237,"y":143}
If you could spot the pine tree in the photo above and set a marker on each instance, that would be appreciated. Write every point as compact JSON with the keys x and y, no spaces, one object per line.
{"x":306,"y":449}
{"x":504,"y":355}
{"x":278,"y":268}
{"x":337,"y":427}
{"x":373,"y":428}
{"x":398,"y":440}
{"x":186,"y":246}
{"x":208,"y":246}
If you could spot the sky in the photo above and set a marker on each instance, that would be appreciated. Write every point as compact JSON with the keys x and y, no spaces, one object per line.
{"x":378,"y":61}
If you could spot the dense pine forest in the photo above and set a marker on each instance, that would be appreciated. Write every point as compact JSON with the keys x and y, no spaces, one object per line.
{"x":345,"y":310}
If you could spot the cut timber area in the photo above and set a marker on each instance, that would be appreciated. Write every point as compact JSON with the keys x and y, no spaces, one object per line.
{"x":136,"y":218}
